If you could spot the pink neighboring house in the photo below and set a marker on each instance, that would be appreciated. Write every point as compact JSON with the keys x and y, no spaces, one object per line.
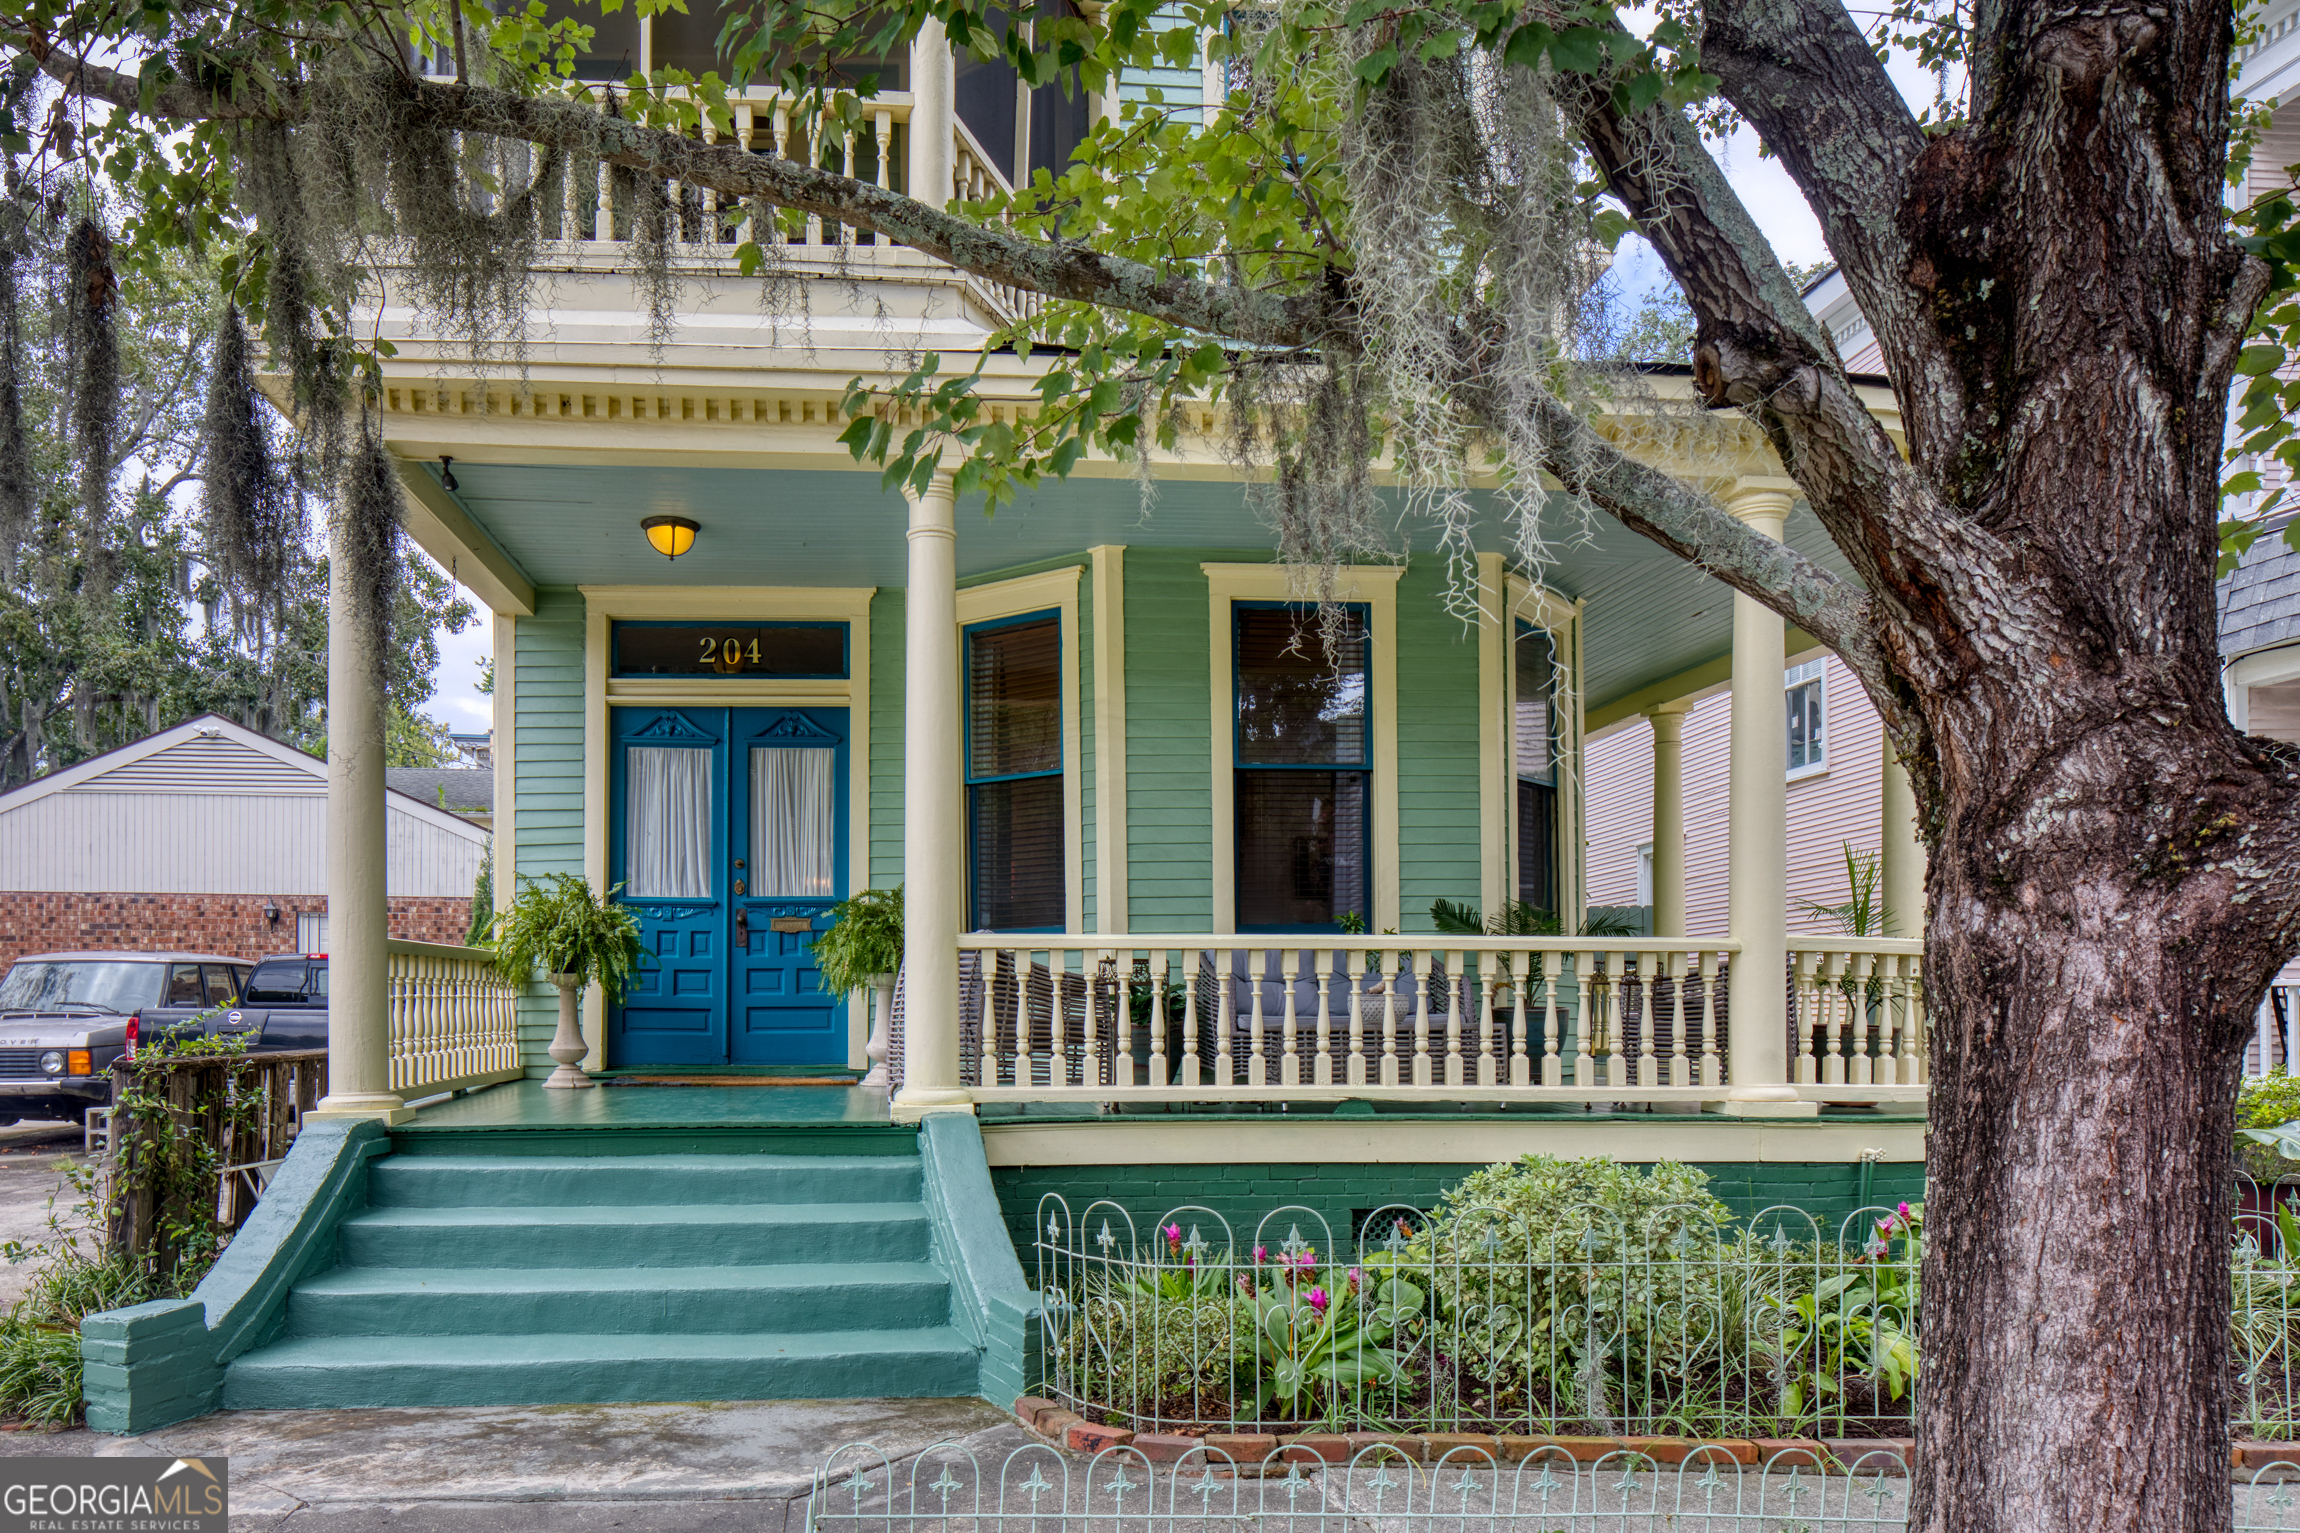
{"x":1840,"y":799}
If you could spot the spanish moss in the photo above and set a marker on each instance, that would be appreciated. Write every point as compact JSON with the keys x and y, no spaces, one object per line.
{"x":16,"y":489}
{"x":367,"y":540}
{"x":92,"y":350}
{"x":255,"y":517}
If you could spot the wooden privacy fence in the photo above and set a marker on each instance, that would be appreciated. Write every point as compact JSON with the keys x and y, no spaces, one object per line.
{"x":193,"y":1135}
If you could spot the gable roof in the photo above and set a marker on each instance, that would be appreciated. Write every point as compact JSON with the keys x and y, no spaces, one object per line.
{"x":210,"y":754}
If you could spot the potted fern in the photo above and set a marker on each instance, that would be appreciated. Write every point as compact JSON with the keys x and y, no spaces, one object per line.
{"x":861,"y":951}
{"x":556,"y":925}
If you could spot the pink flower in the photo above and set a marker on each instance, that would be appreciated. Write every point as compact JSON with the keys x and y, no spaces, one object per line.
{"x":1904,"y":1209}
{"x":1356,"y":1278}
{"x":1261,"y":1254}
{"x":1174,"y":1232}
{"x":1319,"y":1301}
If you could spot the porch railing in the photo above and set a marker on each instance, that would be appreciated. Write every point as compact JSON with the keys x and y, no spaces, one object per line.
{"x":1103,"y":1017}
{"x":1269,"y":1018}
{"x":1857,"y":1011}
{"x":454,"y":1021}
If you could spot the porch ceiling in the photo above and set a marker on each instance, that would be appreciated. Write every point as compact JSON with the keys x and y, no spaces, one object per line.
{"x":1649,"y":615}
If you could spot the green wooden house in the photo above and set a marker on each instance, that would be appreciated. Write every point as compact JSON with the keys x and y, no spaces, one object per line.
{"x":1170,"y":841}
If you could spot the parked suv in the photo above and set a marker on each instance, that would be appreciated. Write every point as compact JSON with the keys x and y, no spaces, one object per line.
{"x":64,"y":1017}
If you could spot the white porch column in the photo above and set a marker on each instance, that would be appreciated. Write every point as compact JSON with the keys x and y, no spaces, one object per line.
{"x":1758,"y":902}
{"x":358,"y":916}
{"x":1668,"y":723}
{"x":1903,"y":874}
{"x":932,"y":850}
{"x":934,"y":105}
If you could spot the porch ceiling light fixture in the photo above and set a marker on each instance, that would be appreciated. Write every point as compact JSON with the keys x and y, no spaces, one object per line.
{"x":670,"y":535}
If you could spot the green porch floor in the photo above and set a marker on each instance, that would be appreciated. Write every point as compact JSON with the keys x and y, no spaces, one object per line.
{"x":530,"y":1105}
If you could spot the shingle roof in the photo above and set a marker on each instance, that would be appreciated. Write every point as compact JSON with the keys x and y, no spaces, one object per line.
{"x":469,"y":790}
{"x":2260,"y":599}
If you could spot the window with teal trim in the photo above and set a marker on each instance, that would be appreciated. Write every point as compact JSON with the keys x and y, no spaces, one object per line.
{"x":1302,"y":755}
{"x":1015,"y":844}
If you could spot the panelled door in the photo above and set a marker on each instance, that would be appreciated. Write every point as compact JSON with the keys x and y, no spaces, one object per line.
{"x":729,"y":844}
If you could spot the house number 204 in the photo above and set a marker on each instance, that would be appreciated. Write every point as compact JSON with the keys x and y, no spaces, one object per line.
{"x":727,"y":653}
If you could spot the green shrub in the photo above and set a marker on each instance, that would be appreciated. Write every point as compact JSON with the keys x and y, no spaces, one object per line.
{"x":39,"y":1372}
{"x":1573,"y":1276}
{"x":2266,"y":1101}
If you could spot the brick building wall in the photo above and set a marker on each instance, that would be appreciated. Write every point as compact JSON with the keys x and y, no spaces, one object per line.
{"x":231,"y":924}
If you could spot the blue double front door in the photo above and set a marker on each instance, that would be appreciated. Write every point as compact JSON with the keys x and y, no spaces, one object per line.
{"x":730,"y":845}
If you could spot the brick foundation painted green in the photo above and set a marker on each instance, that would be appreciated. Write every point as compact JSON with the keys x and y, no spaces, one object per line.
{"x":1828,"y":1190}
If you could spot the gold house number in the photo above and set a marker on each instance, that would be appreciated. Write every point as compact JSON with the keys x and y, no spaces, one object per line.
{"x":726,"y":655}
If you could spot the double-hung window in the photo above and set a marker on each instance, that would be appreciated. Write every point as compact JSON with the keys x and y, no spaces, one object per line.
{"x":1014,"y":774}
{"x":1533,"y":722}
{"x":1806,"y":710}
{"x":1303,"y":758}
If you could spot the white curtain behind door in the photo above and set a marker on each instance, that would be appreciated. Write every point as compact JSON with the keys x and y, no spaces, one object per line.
{"x":667,"y":822}
{"x":791,"y":822}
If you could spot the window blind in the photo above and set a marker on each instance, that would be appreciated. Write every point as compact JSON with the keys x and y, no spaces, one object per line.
{"x":1301,"y":840}
{"x":1014,"y":695}
{"x":1015,"y":832}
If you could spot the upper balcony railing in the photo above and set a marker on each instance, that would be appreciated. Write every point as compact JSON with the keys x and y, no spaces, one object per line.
{"x":703,"y":227}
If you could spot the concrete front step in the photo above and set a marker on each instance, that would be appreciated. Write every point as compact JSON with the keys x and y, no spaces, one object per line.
{"x":343,"y":1372}
{"x":464,"y":1181}
{"x":496,"y":1301}
{"x":676,"y":1235}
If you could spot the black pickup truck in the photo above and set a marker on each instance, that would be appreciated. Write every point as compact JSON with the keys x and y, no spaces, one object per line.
{"x":64,"y":1017}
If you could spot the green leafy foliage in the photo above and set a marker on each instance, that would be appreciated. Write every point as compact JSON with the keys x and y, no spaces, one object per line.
{"x":556,"y":926}
{"x":1561,"y":1287}
{"x":1864,"y":1320}
{"x":864,"y":940}
{"x":1317,"y":1341}
{"x":2267,"y":1107}
{"x":1517,"y":918}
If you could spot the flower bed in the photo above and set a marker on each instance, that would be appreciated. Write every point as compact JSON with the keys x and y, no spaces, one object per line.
{"x":1540,"y":1297}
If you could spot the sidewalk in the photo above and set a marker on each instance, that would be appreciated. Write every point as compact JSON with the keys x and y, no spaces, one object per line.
{"x":682,"y":1468}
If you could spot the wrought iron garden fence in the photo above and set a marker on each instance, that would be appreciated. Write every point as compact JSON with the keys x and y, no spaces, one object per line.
{"x":1673,"y":1323}
{"x":860,"y":1490}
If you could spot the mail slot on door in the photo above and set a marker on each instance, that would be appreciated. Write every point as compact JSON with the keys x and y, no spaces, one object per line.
{"x":790,"y":924}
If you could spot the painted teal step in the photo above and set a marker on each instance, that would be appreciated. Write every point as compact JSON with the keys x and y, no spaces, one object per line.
{"x":562,"y":1369}
{"x":481,"y":1301}
{"x":672,"y":1235}
{"x":463,"y":1181}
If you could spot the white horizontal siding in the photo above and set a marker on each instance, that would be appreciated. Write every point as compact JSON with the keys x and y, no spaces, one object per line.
{"x":147,"y":841}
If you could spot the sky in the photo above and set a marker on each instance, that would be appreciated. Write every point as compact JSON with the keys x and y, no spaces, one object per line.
{"x":1772,"y":198}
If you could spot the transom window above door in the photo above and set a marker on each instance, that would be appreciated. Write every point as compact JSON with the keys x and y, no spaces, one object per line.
{"x":787,"y":651}
{"x":1014,"y":792}
{"x":1303,"y":764}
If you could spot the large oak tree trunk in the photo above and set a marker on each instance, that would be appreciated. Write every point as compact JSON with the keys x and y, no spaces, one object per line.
{"x":2110,"y":887}
{"x":2076,"y":1361}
